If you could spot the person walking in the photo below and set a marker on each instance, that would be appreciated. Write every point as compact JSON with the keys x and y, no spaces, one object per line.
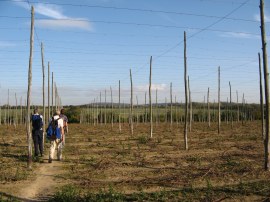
{"x":56,"y":142}
{"x":65,"y":120}
{"x":37,"y":132}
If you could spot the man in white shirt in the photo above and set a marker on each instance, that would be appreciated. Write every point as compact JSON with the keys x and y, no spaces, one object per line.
{"x":56,"y":144}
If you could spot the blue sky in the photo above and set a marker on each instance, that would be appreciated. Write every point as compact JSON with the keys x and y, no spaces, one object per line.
{"x":91,"y":44}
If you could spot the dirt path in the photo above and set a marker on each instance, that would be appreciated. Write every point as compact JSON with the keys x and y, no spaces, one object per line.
{"x":42,"y":187}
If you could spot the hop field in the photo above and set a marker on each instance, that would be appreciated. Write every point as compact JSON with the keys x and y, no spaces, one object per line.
{"x":102,"y":164}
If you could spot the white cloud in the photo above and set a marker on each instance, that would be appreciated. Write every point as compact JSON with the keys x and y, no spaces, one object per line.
{"x":240,"y":35}
{"x":159,"y":87}
{"x":65,"y":24}
{"x":257,"y":17}
{"x":50,"y":11}
{"x":59,"y":20}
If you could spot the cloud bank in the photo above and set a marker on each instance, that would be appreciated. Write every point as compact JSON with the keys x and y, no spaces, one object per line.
{"x":58,"y":19}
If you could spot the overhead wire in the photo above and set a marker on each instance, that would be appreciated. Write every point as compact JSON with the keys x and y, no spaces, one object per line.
{"x":136,"y":9}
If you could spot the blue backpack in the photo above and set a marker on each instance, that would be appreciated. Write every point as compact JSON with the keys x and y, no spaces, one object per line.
{"x":37,"y":122}
{"x":53,"y":132}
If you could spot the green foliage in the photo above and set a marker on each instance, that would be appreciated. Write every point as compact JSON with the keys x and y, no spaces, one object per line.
{"x":73,"y":114}
{"x":68,"y":193}
{"x":143,"y":139}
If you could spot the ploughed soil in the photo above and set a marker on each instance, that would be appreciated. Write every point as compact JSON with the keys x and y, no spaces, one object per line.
{"x":216,"y":167}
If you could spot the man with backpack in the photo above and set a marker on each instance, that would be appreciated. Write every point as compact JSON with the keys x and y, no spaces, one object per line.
{"x":37,"y":132}
{"x":55,"y":133}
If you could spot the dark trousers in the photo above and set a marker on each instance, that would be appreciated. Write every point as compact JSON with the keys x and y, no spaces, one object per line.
{"x":38,"y":141}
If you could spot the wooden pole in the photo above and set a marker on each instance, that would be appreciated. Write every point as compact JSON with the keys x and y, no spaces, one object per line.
{"x":49,"y":107}
{"x":16,"y":113}
{"x":94,"y":110}
{"x":119,"y":109}
{"x":219,"y":118}
{"x":266,"y":83}
{"x":227,"y":111}
{"x":208,"y":106}
{"x":29,"y":135}
{"x":105,"y":113}
{"x":131,"y":103}
{"x":156,"y":110}
{"x":261,"y":97}
{"x":231,"y":117}
{"x":171,"y":107}
{"x":243,"y":109}
{"x":150,"y":99}
{"x":111,"y":107}
{"x":238,"y":111}
{"x":52,"y":93}
{"x":137,"y":111}
{"x":8,"y":112}
{"x":5,"y":119}
{"x":55,"y":96}
{"x":21,"y":114}
{"x":204,"y":113}
{"x":175,"y":110}
{"x":166,"y":111}
{"x":98,"y":119}
{"x":43,"y":92}
{"x":186,"y":93}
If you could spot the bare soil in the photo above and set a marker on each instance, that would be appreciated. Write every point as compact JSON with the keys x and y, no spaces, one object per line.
{"x":217,"y":167}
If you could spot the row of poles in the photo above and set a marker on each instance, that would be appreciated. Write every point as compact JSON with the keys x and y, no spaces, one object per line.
{"x":266,"y":86}
{"x":55,"y":99}
{"x":188,"y":103}
{"x":98,"y":112}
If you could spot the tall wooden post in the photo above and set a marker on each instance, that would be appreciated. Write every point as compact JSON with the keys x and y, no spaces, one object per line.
{"x":137,"y":111}
{"x":171,"y":107}
{"x":186,"y":93}
{"x":231,"y":116}
{"x":111,"y":108}
{"x":175,"y":110}
{"x":49,"y":107}
{"x":238,"y":111}
{"x":94,"y":111}
{"x":5,"y":118}
{"x":150,"y":99}
{"x":100,"y":118}
{"x":261,"y":97}
{"x":16,"y":113}
{"x":156,"y":110}
{"x":131,"y":103}
{"x":208,"y":106}
{"x":105,"y":110}
{"x":8,"y":111}
{"x":43,"y":91}
{"x":266,"y":83}
{"x":55,"y":96}
{"x":29,"y":135}
{"x":243,"y":109}
{"x":119,"y":109}
{"x":52,"y":93}
{"x":227,"y":111}
{"x":166,"y":111}
{"x":219,"y":118}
